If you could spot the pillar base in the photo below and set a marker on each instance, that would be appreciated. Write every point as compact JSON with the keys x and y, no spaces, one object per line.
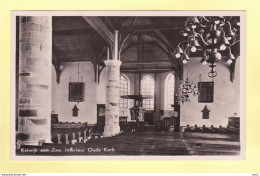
{"x":110,"y":131}
{"x":182,"y":129}
{"x":33,"y":142}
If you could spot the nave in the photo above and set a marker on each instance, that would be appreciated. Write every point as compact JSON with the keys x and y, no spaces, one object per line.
{"x":128,"y":85}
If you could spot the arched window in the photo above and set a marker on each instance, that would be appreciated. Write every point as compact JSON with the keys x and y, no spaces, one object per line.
{"x":123,"y":91}
{"x":148,"y":89}
{"x":169,"y":91}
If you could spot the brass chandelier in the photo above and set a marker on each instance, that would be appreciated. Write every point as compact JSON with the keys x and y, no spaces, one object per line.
{"x":212,"y":36}
{"x":186,"y":88}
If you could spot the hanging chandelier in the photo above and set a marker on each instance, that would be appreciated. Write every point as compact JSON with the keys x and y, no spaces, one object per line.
{"x":186,"y":88}
{"x":212,"y":36}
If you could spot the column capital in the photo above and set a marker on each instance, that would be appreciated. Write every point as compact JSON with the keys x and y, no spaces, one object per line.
{"x":113,"y":62}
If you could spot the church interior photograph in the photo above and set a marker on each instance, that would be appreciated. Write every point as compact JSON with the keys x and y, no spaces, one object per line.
{"x":127,"y":85}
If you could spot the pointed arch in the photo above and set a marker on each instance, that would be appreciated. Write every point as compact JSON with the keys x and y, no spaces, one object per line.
{"x":148,"y":88}
{"x":124,"y":90}
{"x":169,"y":85}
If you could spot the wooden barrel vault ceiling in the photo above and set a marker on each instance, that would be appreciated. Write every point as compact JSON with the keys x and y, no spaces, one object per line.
{"x":146,"y":44}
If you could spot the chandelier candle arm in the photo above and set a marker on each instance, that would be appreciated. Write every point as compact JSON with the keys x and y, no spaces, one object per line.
{"x":213,"y":34}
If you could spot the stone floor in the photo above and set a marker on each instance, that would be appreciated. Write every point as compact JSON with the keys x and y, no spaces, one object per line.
{"x":145,"y":143}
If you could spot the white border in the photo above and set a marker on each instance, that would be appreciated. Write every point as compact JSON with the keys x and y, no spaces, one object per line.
{"x":240,"y":13}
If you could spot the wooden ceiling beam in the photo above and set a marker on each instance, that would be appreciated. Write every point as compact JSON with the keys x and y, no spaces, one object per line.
{"x":124,"y":30}
{"x":141,"y":72}
{"x":156,"y":43}
{"x":73,"y":32}
{"x":98,"y":25}
{"x":164,"y":39}
{"x":81,"y":60}
{"x":109,"y":23}
{"x":145,"y":69}
{"x":145,"y":62}
{"x":147,"y":28}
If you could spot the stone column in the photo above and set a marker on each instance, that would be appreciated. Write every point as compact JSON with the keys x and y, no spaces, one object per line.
{"x":112,"y":127}
{"x":34,"y":97}
{"x":112,"y":98}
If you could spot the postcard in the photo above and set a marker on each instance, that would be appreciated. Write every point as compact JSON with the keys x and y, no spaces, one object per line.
{"x":128,"y":85}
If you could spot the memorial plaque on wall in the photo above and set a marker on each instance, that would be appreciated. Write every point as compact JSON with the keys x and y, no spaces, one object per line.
{"x":205,"y":112}
{"x":206,"y":90}
{"x":76,"y":91}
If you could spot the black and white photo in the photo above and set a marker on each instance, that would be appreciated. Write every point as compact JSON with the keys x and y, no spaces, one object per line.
{"x":123,"y":84}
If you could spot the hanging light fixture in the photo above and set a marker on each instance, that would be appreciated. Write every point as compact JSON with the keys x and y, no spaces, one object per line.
{"x":182,"y":54}
{"x":212,"y":35}
{"x":186,"y":88}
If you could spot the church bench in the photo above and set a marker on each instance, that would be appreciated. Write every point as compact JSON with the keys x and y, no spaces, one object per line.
{"x":165,"y":124}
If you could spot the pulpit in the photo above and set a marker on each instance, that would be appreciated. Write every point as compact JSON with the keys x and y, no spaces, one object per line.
{"x":137,"y":111}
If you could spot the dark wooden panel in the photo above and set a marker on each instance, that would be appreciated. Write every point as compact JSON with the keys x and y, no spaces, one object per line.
{"x":76,"y":91}
{"x":148,"y":118}
{"x":206,"y":90}
{"x":234,"y":122}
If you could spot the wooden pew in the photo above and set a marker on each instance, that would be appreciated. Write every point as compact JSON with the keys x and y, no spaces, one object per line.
{"x":233,"y":128}
{"x":198,"y":129}
{"x":215,"y":129}
{"x":208,"y":130}
{"x":165,"y":124}
{"x":190,"y":129}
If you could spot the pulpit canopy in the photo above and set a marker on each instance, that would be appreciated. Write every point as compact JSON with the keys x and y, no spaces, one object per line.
{"x":137,"y":97}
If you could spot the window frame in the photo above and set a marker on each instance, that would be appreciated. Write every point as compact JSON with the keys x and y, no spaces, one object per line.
{"x":166,"y":91}
{"x":152,"y":93}
{"x":127,"y":92}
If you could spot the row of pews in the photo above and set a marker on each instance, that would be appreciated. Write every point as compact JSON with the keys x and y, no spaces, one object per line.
{"x":138,"y":138}
{"x":127,"y":143}
{"x":142,"y":143}
{"x":82,"y":136}
{"x":166,"y":124}
{"x":86,"y":135}
{"x":212,"y":129}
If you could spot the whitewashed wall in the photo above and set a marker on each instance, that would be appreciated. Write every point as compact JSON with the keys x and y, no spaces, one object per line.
{"x":60,"y":103}
{"x":226,"y":95}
